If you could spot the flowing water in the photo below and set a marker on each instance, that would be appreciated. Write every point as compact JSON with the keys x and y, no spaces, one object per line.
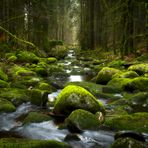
{"x":49,"y":130}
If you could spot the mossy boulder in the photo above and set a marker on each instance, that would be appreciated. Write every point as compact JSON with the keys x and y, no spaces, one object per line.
{"x":12,"y":58}
{"x":136,"y":122}
{"x":141,"y":69}
{"x":82,"y":119}
{"x":15,"y":95}
{"x":4,"y":84}
{"x":128,"y":143}
{"x":117,"y":64}
{"x":44,"y":86}
{"x":3,"y":75}
{"x":119,"y":83}
{"x":26,"y":143}
{"x":140,"y":83}
{"x":51,"y":60}
{"x":6,"y":106}
{"x":106,"y":75}
{"x":139,"y":102}
{"x":127,"y":74}
{"x":36,"y":117}
{"x":27,"y":56}
{"x":38,"y":97}
{"x":75,"y":97}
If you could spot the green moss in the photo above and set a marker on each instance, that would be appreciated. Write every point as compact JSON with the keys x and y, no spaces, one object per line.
{"x":6,"y":106}
{"x":119,"y":83}
{"x":117,"y":63}
{"x":141,"y":69}
{"x":44,"y":86}
{"x":3,"y":76}
{"x":38,"y":97}
{"x":136,"y":122}
{"x":128,"y":74}
{"x":140,"y":83}
{"x":3,"y":84}
{"x":25,"y":143}
{"x":17,"y":96}
{"x":51,"y":60}
{"x":27,"y":56}
{"x":128,"y":143}
{"x":35,"y":117}
{"x":139,"y":102}
{"x":83,"y":120}
{"x":12,"y":58}
{"x":106,"y":75}
{"x":75,"y":97}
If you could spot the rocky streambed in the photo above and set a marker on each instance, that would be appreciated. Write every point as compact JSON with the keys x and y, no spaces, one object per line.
{"x":74,"y":103}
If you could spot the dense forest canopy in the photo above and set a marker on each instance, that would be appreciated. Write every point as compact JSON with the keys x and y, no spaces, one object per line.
{"x":119,"y":25}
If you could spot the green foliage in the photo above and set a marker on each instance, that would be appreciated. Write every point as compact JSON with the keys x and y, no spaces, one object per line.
{"x":75,"y":97}
{"x":51,"y":60}
{"x":35,"y":117}
{"x":3,"y":84}
{"x":83,"y":120}
{"x":44,"y":86}
{"x":6,"y":106}
{"x":117,"y":63}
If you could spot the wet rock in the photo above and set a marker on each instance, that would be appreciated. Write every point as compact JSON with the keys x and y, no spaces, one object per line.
{"x":141,"y":69}
{"x":15,"y":95}
{"x":71,"y":137}
{"x":128,"y":142}
{"x":75,"y":97}
{"x":6,"y":106}
{"x":106,"y":74}
{"x":139,"y":102}
{"x":130,"y":134}
{"x":36,"y":117}
{"x":38,"y":97}
{"x":26,"y":143}
{"x":80,"y":120}
{"x":136,"y":122}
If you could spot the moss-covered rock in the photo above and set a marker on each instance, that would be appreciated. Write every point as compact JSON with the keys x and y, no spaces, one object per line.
{"x":38,"y":97}
{"x":12,"y":58}
{"x":44,"y":86}
{"x":6,"y":106}
{"x":106,"y":75}
{"x":15,"y":95}
{"x":25,"y":143}
{"x":140,"y":83}
{"x":119,"y":83}
{"x":128,"y":142}
{"x":128,"y":74}
{"x":82,"y":119}
{"x":3,"y":75}
{"x":136,"y":122}
{"x":141,"y":69}
{"x":3,"y":84}
{"x":117,"y":64}
{"x":51,"y":60}
{"x":139,"y":102}
{"x":27,"y":56}
{"x":36,"y":117}
{"x":75,"y":97}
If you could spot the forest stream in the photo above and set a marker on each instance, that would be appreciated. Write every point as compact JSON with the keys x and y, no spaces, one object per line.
{"x":49,"y":130}
{"x":11,"y":123}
